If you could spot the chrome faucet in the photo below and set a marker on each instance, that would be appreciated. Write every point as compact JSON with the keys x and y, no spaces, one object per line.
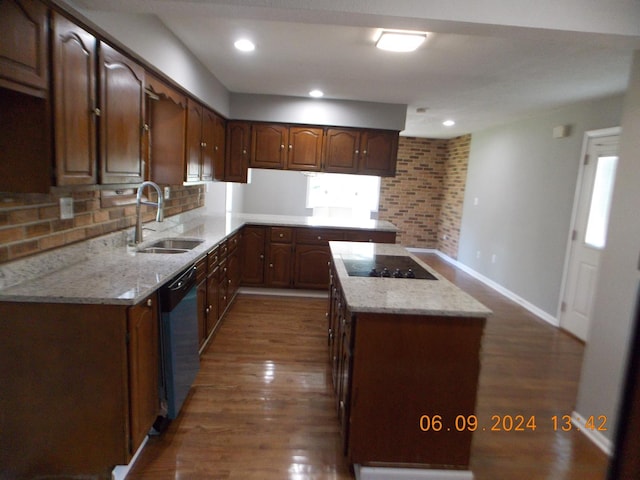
{"x":139,"y":202}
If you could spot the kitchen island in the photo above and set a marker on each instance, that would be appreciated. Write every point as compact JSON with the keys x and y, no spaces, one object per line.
{"x":405,"y":358}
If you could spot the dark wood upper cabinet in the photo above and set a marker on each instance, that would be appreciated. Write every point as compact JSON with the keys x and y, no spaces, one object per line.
{"x":122,"y":118}
{"x":269,"y":145}
{"x":219,"y":146}
{"x":237,"y":154}
{"x":341,"y":150}
{"x":367,"y":152}
{"x":205,"y":144}
{"x":305,"y":148}
{"x":208,"y":144}
{"x":379,"y":152}
{"x":23,"y":46}
{"x":167,"y":120}
{"x":74,"y":88}
{"x":194,"y":141}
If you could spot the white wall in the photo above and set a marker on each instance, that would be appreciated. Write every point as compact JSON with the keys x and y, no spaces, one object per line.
{"x":608,"y":345}
{"x":318,"y":111}
{"x":524,"y":182}
{"x":274,"y":192}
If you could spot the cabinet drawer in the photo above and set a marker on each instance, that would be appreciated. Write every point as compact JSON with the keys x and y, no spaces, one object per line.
{"x":233,"y":241}
{"x":213,"y":258}
{"x":222,"y":270}
{"x":318,"y":236}
{"x":281,"y":234}
{"x":223,"y":250}
{"x":371,"y":236}
{"x":201,"y":270}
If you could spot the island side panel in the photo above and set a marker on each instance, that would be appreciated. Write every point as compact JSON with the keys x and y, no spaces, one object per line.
{"x":63,"y":406}
{"x":404,"y":367}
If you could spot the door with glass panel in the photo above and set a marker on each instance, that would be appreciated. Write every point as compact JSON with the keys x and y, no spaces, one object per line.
{"x":589,"y":235}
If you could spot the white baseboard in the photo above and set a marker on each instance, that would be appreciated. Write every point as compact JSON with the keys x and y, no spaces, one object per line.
{"x":538,"y":312}
{"x":602,"y":442}
{"x":120,"y":472}
{"x":284,"y":292}
{"x":380,"y":473}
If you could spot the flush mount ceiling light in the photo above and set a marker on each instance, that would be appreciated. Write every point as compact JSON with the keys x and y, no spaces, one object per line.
{"x":448,"y":123}
{"x":400,"y":40}
{"x":244,"y":45}
{"x":316,"y":93}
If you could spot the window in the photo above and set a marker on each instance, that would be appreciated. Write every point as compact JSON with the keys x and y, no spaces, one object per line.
{"x":598,"y":220}
{"x":341,"y":195}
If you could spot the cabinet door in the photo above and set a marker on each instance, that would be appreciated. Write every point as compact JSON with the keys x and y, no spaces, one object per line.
{"x":195,"y":115}
{"x":143,"y":369}
{"x":208,"y":144}
{"x":279,"y":268}
{"x":341,"y":150}
{"x":23,"y":46}
{"x":74,"y":61}
{"x":219,"y":139}
{"x":237,"y":154}
{"x":305,"y":148}
{"x":167,"y":118}
{"x":233,"y":274}
{"x":253,"y":255}
{"x":122,"y":118}
{"x":203,"y":310}
{"x":269,"y":145}
{"x":312,"y":266}
{"x":212,"y":302}
{"x":379,"y":152}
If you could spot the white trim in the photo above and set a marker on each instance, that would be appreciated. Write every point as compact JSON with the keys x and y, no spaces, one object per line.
{"x":588,"y":136}
{"x":538,"y":312}
{"x":284,"y":292}
{"x":383,"y":473}
{"x":120,"y":472}
{"x":602,"y":442}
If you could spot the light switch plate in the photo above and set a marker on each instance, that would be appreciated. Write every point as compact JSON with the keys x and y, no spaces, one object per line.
{"x":66,"y":208}
{"x":167,"y":193}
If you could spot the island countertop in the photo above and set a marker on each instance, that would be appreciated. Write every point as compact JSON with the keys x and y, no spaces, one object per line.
{"x":399,"y":295}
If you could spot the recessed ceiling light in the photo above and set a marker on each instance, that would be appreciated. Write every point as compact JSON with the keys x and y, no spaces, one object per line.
{"x":245,"y":45}
{"x":448,"y":123}
{"x":316,"y":93}
{"x":400,"y":40}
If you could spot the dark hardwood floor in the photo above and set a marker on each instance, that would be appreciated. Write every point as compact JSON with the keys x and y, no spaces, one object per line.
{"x":262,"y":405}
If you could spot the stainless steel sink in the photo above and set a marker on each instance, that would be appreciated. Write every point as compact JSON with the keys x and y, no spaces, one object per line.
{"x":171,"y":245}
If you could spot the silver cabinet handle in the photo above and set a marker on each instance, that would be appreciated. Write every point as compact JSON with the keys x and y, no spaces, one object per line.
{"x":96,"y":112}
{"x":149,"y":303}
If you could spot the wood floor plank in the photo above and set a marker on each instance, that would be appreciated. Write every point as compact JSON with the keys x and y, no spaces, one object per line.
{"x":262,"y":405}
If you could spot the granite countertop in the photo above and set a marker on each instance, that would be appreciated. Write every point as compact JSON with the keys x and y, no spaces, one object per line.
{"x":399,"y":295}
{"x":107,"y":270}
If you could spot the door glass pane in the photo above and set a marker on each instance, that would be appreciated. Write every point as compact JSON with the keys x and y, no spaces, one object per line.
{"x":596,"y":235}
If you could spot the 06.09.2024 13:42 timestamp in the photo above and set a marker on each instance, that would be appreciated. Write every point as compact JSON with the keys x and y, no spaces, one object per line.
{"x":509,"y":423}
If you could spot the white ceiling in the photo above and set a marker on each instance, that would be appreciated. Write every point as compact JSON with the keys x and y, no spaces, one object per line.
{"x":480,"y":67}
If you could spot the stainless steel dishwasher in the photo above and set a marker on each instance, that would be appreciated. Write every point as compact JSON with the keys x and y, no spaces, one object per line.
{"x":179,"y":338}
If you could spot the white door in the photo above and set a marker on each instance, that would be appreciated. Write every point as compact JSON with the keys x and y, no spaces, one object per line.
{"x":589,"y":234}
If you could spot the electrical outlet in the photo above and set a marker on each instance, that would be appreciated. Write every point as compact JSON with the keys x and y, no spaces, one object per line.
{"x":167,"y":193}
{"x":66,"y":208}
{"x":478,"y":254}
{"x":493,"y":258}
{"x":476,"y":201}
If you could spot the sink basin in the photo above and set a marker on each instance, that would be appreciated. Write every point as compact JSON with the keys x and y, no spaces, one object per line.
{"x":171,"y":245}
{"x":162,"y":250}
{"x":176,"y":243}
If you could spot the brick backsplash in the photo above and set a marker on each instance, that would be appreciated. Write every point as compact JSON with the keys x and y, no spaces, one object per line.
{"x":424,"y":199}
{"x":31,"y":224}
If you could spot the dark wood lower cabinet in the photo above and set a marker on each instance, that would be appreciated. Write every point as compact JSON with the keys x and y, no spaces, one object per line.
{"x":280,"y":259}
{"x":80,"y":383}
{"x":389,"y":371}
{"x":311,"y":266}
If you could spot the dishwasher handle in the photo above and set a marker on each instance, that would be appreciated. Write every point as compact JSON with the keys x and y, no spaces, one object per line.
{"x":174,"y":291}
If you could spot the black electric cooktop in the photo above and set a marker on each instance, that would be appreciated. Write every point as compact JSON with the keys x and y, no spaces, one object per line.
{"x":390,"y":266}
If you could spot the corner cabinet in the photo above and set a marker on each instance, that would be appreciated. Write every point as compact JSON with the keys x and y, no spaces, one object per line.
{"x":122,"y":118}
{"x":97,"y":366}
{"x":366,"y":152}
{"x":23,"y":46}
{"x":75,"y":107}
